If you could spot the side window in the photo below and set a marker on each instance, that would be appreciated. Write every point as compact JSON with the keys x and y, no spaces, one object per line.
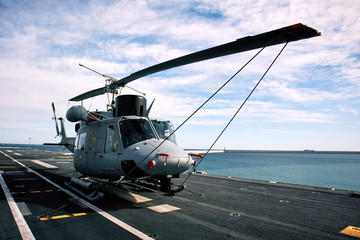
{"x":77,"y":142}
{"x":112,"y":143}
{"x":82,"y":140}
{"x":164,"y":129}
{"x":92,"y":140}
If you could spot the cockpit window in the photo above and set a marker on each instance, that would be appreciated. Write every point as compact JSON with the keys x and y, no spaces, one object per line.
{"x":164,"y":129}
{"x":135,"y":130}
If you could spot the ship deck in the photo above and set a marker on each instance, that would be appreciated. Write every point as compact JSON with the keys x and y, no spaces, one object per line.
{"x":36,"y":204}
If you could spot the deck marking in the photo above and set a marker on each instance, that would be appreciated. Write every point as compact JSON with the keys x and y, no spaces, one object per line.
{"x":14,"y":171}
{"x":126,"y":195}
{"x":63,"y":216}
{"x":139,"y":199}
{"x":9,"y":150}
{"x":43,"y":191}
{"x":18,"y":154}
{"x":63,"y":157}
{"x":43,"y":164}
{"x":7,"y":166}
{"x":18,"y":217}
{"x":164,"y":208}
{"x":63,"y":162}
{"x":24,"y":179}
{"x":35,"y":191}
{"x":25,"y":211}
{"x":106,"y":215}
{"x":352,"y":231}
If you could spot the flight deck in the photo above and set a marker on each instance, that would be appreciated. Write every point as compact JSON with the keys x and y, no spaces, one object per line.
{"x":36,"y":204}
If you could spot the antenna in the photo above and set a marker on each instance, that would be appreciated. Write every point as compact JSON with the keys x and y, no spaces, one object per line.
{"x":149,"y":109}
{"x":108,"y":81}
{"x":104,"y":75}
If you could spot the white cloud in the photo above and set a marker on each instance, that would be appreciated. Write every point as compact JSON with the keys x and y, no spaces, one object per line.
{"x":41,"y":50}
{"x":350,"y":110}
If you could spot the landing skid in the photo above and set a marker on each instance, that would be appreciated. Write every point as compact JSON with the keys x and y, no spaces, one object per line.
{"x":89,"y":189}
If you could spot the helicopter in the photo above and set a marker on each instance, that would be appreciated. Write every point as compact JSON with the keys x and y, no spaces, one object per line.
{"x":123,"y":142}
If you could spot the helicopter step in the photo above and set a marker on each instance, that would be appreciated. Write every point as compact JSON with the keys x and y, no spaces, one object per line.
{"x":90,"y":188}
{"x":162,"y":184}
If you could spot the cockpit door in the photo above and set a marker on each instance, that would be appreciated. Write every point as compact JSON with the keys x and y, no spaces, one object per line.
{"x":108,"y":159}
{"x":80,"y":160}
{"x":91,"y":149}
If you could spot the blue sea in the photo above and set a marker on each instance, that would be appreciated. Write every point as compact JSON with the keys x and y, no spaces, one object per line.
{"x":331,"y":170}
{"x":340,"y":171}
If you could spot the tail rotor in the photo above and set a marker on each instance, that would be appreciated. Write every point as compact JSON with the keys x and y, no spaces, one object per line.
{"x":56,"y":123}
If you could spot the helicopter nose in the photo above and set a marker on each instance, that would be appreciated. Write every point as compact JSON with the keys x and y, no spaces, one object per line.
{"x":169,"y":160}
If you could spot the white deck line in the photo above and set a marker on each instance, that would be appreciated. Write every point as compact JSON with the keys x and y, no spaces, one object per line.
{"x":106,"y":215}
{"x":23,"y":227}
{"x":43,"y":164}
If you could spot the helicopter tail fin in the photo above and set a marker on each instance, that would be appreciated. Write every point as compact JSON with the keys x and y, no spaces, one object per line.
{"x":62,"y":125}
{"x":68,"y":142}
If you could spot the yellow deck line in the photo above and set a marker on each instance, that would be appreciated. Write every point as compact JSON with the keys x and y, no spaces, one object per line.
{"x":63,"y":216}
{"x":62,"y":157}
{"x":42,"y":191}
{"x":15,"y":171}
{"x":24,"y":179}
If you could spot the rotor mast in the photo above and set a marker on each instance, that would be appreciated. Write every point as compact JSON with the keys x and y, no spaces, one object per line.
{"x":108,"y":81}
{"x":113,"y":91}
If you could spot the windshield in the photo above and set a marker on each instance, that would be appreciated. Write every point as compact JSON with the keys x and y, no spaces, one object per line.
{"x":164,"y":129}
{"x":135,"y":130}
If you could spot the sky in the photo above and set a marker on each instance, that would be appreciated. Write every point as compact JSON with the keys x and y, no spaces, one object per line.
{"x":310,"y":98}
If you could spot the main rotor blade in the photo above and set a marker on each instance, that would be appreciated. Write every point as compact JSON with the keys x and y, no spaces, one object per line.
{"x":89,"y":94}
{"x":287,"y":34}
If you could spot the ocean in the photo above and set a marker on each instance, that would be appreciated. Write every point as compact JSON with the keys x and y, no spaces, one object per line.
{"x":339,"y":171}
{"x":330,"y":170}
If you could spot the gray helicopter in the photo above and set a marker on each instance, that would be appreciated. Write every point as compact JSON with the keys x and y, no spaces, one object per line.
{"x":124,"y":143}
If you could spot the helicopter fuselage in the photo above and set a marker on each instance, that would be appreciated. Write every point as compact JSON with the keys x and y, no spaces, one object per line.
{"x":127,"y":146}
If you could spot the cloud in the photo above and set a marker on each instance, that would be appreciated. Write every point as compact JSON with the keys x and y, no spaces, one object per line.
{"x":284,"y":90}
{"x":349,"y":110}
{"x":41,"y":50}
